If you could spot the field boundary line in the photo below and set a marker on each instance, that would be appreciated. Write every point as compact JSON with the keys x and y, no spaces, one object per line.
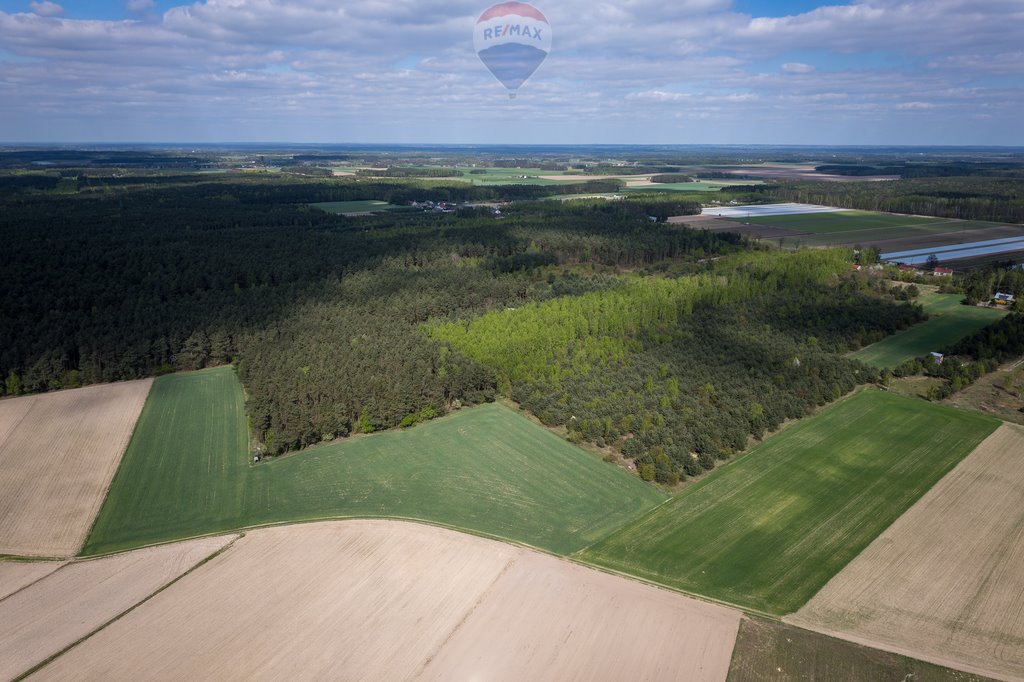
{"x":25,"y":587}
{"x":42,"y":664}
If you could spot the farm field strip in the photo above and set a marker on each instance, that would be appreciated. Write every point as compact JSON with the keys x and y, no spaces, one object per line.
{"x":950,"y":322}
{"x":68,"y":604}
{"x":485,"y":469}
{"x":58,"y":454}
{"x":946,"y":581}
{"x":376,"y":599}
{"x":768,"y":531}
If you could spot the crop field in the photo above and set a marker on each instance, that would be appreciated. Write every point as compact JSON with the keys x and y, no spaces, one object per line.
{"x":949,"y":322}
{"x":58,"y":454}
{"x":767,"y":651}
{"x":354,"y":207}
{"x":946,"y":581}
{"x":768,"y":531}
{"x":888,"y":231}
{"x":68,"y":604}
{"x":486,"y":470}
{"x":376,"y":599}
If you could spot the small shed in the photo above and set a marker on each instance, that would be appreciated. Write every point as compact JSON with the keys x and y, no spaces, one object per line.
{"x":1003,"y":299}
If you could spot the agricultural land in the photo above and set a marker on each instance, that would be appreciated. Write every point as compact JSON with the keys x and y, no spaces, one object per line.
{"x":768,"y":531}
{"x":946,"y":581}
{"x":187,"y":472}
{"x":476,"y":608}
{"x":949,"y":321}
{"x":44,"y":618}
{"x":58,"y":454}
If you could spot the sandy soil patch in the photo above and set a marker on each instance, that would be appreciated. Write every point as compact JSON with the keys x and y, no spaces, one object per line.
{"x":342,"y":174}
{"x":15,"y":575}
{"x":44,"y":618}
{"x":58,"y":454}
{"x":394,"y":600}
{"x":945,"y":583}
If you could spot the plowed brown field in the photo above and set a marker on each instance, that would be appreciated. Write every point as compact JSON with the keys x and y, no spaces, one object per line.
{"x":44,"y":618}
{"x":58,"y":454}
{"x":397,"y":601}
{"x":15,"y":575}
{"x":944,"y":583}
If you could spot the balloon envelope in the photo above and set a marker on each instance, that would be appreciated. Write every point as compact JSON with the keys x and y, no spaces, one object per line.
{"x":512,"y":39}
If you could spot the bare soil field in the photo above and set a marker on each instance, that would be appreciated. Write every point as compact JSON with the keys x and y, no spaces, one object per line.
{"x":58,"y":454}
{"x":55,"y":612}
{"x":945,"y":583}
{"x":395,"y":600}
{"x":15,"y":575}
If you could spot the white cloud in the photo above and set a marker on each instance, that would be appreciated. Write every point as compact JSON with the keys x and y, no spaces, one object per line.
{"x":45,"y":8}
{"x":915,"y":106}
{"x":140,"y":5}
{"x":797,"y":68}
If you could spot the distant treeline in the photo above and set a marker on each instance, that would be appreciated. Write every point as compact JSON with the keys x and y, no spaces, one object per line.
{"x":951,"y":169}
{"x":973,"y":198}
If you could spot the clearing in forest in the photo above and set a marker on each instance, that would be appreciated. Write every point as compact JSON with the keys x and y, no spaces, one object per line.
{"x":376,"y":599}
{"x":486,"y":469}
{"x":949,"y":321}
{"x":946,"y":581}
{"x":58,"y":453}
{"x":768,"y":531}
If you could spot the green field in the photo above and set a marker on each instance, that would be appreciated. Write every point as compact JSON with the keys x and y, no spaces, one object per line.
{"x":487,"y":470}
{"x":768,"y":531}
{"x":767,"y":650}
{"x":949,"y":322}
{"x":866,"y":227}
{"x":343,"y":207}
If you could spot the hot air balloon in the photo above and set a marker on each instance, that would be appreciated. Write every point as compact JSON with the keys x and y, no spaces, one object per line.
{"x":512,"y":39}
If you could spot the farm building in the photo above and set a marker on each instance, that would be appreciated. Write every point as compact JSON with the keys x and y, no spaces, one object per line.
{"x":943,"y":272}
{"x":1003,"y":299}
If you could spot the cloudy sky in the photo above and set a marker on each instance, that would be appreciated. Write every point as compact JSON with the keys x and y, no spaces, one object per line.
{"x":624,"y":71}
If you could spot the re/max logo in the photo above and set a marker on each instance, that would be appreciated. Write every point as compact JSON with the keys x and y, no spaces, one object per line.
{"x":512,"y":30}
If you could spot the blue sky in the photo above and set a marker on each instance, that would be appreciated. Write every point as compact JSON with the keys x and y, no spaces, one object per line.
{"x":631,"y":71}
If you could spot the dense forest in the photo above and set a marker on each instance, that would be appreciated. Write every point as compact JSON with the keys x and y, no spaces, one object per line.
{"x":670,"y":345}
{"x":678,"y":373}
